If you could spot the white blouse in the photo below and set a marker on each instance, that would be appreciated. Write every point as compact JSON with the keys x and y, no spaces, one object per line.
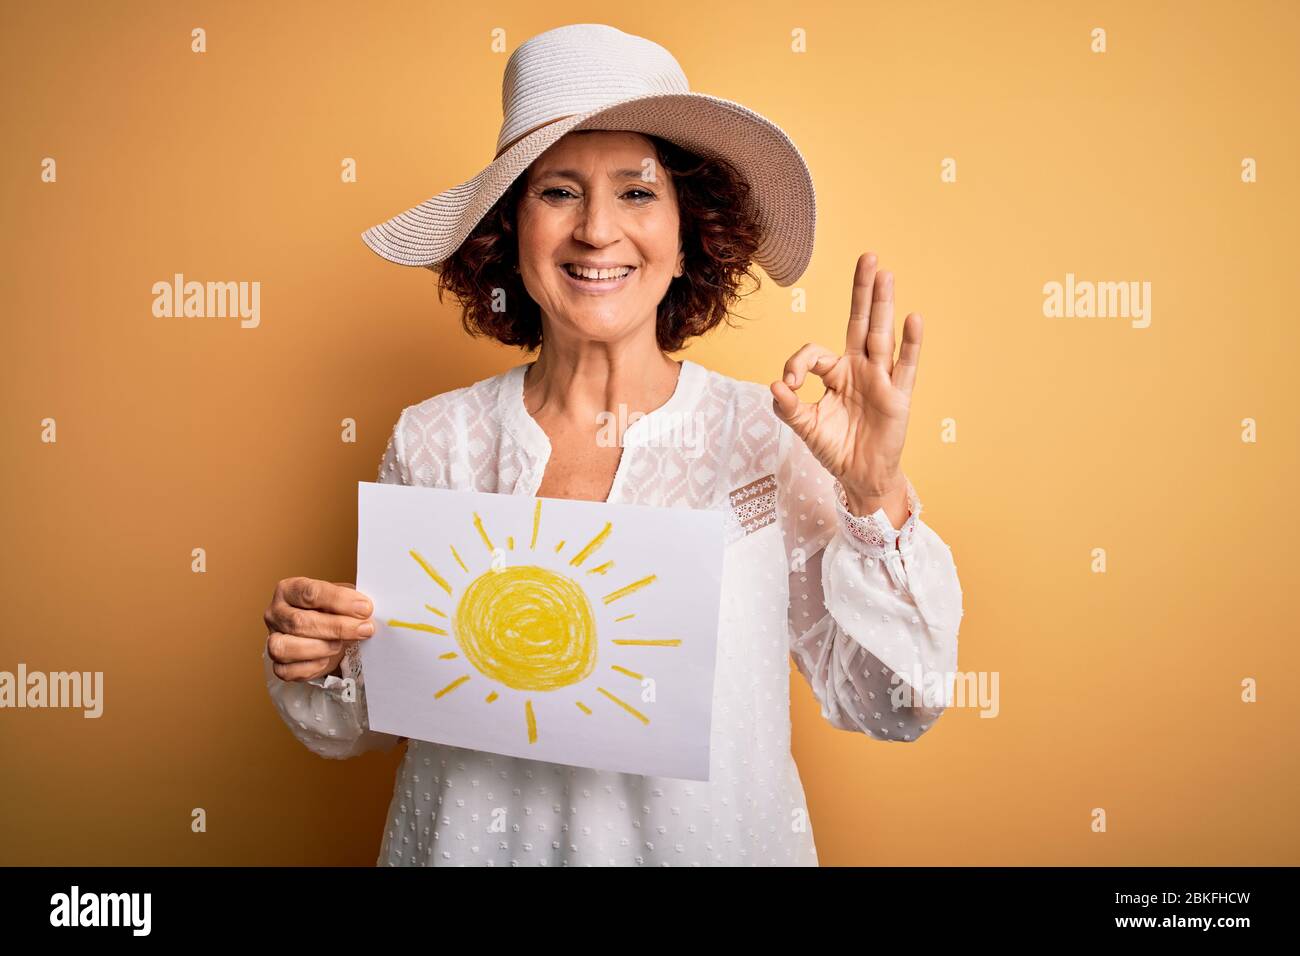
{"x":851,"y":599}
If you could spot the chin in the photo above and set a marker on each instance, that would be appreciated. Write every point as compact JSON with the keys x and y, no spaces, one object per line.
{"x":601,"y":327}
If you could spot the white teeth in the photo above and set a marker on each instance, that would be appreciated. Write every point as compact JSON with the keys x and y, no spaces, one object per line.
{"x":585,"y":273}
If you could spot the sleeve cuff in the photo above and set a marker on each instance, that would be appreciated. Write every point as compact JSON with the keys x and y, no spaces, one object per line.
{"x":873,"y":534}
{"x":349,"y":667}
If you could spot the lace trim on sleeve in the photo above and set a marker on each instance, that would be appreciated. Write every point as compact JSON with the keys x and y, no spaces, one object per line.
{"x":874,"y":533}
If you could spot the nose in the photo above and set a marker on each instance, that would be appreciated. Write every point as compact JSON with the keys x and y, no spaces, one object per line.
{"x":598,"y":221}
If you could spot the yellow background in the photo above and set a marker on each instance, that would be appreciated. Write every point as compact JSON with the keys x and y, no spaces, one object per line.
{"x":1118,"y":690}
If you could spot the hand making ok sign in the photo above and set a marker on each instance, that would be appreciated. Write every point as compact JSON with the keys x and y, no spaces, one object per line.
{"x":857,"y":429}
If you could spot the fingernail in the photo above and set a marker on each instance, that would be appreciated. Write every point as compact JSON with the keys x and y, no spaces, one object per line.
{"x":789,"y":378}
{"x":361,"y":609}
{"x":889,"y":282}
{"x":366,"y":629}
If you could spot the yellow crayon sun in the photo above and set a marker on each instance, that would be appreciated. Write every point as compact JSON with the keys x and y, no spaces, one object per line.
{"x":528,"y":627}
{"x":531,"y":628}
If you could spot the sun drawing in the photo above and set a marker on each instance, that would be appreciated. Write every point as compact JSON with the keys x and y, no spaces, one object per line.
{"x":532,"y":629}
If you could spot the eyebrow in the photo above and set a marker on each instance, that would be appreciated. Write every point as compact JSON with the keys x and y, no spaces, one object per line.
{"x":574,"y":174}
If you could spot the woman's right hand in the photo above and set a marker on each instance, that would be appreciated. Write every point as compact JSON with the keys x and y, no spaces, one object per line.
{"x":309,"y":623}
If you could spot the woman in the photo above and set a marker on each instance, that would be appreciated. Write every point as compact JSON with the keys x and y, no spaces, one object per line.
{"x":608,"y":246}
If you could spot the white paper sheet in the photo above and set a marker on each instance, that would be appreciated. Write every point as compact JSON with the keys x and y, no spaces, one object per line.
{"x":575,"y":632}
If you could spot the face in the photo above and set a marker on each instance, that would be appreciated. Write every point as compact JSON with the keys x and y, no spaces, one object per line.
{"x":599,"y":199}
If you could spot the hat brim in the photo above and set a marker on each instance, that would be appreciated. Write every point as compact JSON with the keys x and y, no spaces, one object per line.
{"x":781,"y":187}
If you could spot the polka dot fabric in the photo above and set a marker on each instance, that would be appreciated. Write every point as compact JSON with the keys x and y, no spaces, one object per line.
{"x":857,"y":603}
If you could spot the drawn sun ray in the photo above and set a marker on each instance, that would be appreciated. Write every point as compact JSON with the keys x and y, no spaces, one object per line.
{"x":629,"y":589}
{"x":442,"y":582}
{"x":444,"y":613}
{"x":601,"y":568}
{"x":626,"y":706}
{"x":478,"y":524}
{"x":591,"y":546}
{"x":648,"y":642}
{"x":417,"y":626}
{"x":455,"y":554}
{"x":624,"y":670}
{"x":452,"y":686}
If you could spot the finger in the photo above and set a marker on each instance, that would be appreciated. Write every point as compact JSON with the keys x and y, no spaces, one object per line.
{"x":880,"y":333}
{"x":798,"y":415}
{"x":814,"y":358}
{"x":336,"y":627}
{"x":323,"y":596}
{"x":290,"y":649}
{"x":909,"y":354}
{"x":864,"y":278}
{"x":303,"y":670}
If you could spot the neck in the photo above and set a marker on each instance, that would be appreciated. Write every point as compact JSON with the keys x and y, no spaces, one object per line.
{"x":573,"y":385}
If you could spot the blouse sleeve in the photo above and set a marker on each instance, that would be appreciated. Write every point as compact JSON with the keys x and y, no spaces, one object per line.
{"x":329,"y":714}
{"x":874,"y":610}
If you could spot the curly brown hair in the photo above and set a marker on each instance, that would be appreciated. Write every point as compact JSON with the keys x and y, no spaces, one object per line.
{"x":719,"y":237}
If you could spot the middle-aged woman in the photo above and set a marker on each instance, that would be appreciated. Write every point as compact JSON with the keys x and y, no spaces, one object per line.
{"x":616,"y":223}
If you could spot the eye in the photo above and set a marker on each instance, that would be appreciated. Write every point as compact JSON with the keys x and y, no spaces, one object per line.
{"x":560,"y":192}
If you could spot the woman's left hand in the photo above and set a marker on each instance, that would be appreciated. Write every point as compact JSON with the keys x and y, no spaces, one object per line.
{"x":857,"y":429}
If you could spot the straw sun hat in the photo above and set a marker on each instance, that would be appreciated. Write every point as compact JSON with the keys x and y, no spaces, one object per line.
{"x":592,"y":76}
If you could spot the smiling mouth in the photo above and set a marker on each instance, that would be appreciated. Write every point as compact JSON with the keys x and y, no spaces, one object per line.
{"x":598,"y":276}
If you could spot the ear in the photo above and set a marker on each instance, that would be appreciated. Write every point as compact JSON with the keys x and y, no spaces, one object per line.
{"x":681,"y":265}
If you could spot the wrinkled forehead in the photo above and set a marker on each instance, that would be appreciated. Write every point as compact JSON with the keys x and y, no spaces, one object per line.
{"x":597,"y":151}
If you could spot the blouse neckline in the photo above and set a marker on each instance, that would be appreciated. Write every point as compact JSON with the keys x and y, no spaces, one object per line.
{"x":515,"y":415}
